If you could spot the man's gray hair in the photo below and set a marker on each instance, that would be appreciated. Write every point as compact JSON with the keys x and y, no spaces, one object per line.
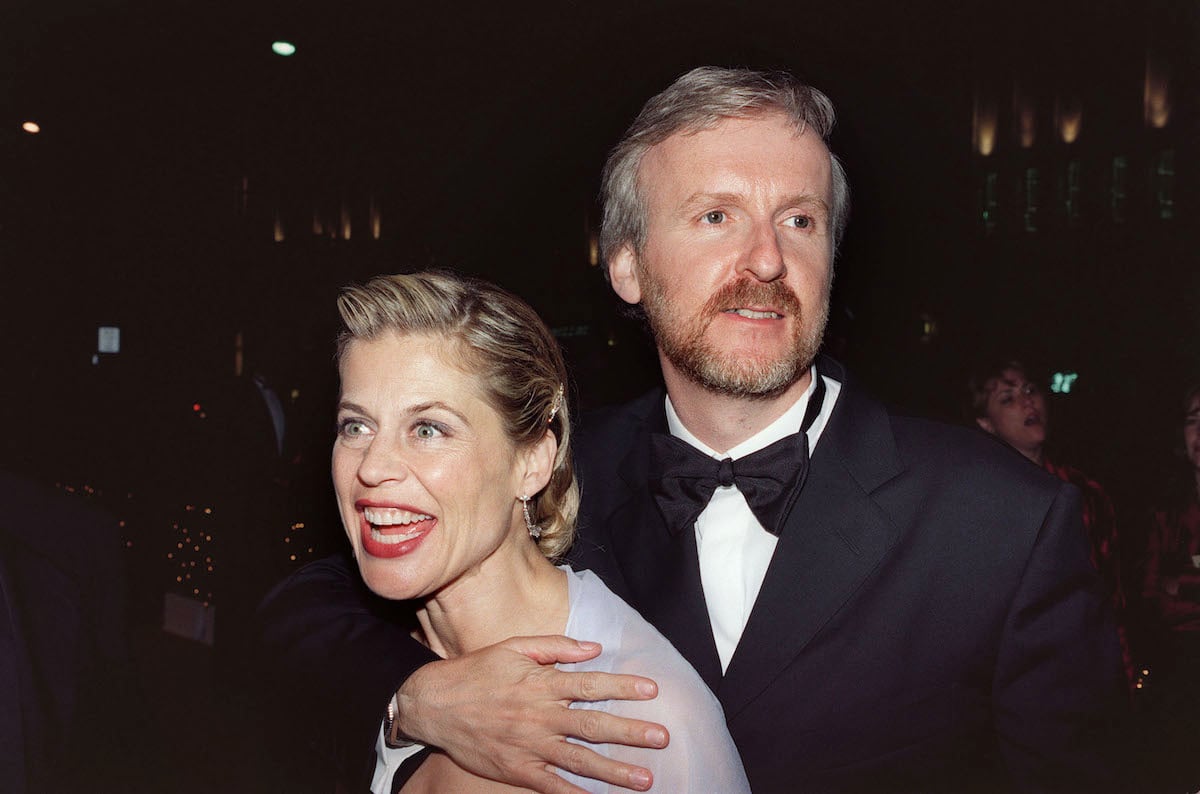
{"x":700,"y":100}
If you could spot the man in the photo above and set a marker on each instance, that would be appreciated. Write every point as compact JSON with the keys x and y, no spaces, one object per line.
{"x":917,"y":613}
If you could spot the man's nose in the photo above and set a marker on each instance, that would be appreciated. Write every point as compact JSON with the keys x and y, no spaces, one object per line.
{"x":763,"y":257}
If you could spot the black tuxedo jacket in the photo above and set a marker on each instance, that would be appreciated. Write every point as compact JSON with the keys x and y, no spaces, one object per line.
{"x":930,"y":620}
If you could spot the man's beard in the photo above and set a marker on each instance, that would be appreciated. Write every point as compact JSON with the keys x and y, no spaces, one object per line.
{"x":684,"y":344}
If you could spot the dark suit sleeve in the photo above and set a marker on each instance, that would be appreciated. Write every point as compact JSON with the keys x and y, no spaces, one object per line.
{"x":334,"y":653}
{"x":1057,"y":675}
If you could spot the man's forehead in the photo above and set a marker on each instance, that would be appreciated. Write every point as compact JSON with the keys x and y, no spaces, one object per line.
{"x":752,"y":139}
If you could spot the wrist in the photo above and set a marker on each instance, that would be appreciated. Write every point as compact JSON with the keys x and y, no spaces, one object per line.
{"x":406,"y":705}
{"x":392,"y":735}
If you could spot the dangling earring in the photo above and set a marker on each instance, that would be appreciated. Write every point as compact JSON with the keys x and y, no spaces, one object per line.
{"x":535,"y":531}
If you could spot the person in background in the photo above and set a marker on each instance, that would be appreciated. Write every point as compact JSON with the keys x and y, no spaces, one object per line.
{"x":71,"y":714}
{"x":1171,"y":593}
{"x":1008,"y":404}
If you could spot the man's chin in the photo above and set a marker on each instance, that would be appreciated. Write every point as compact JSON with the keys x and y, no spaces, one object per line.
{"x":754,"y":379}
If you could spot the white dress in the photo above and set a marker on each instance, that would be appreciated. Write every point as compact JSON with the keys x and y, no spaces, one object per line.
{"x":700,"y":758}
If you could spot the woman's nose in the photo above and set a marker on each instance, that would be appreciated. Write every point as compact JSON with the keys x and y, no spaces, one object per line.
{"x":382,"y":460}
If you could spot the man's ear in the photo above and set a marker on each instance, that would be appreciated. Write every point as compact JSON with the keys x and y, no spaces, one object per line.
{"x":622,"y":273}
{"x":538,"y":461}
{"x":985,"y":424}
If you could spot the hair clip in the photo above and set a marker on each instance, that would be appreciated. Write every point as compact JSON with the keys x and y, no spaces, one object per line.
{"x":558,"y":397}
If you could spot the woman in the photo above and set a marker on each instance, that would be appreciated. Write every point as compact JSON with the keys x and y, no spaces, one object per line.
{"x":1011,"y":407}
{"x":452,"y":468}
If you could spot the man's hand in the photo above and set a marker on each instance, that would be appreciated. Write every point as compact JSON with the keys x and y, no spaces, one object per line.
{"x":502,"y":713}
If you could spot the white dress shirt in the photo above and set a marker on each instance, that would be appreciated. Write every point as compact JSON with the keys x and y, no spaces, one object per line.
{"x":734,"y":548}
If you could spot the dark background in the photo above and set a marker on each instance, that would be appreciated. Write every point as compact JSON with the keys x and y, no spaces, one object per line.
{"x":175,"y":148}
{"x":478,"y":132}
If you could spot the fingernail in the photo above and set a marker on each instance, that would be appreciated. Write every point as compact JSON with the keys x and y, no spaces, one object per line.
{"x":646,"y":689}
{"x":640,"y":779}
{"x":588,"y":646}
{"x":656,"y":737}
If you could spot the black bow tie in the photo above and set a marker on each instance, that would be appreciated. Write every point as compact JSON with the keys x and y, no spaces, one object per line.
{"x":683,"y":479}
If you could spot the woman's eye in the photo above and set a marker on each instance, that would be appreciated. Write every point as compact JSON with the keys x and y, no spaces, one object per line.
{"x":716,"y":216}
{"x":352,"y":429}
{"x":801,"y":221}
{"x":427,"y":430}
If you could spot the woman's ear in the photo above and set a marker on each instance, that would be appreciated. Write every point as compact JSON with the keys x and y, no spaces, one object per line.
{"x":985,"y":425}
{"x":538,"y":462}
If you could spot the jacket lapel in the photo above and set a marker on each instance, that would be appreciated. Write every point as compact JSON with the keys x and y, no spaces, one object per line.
{"x":661,"y":570}
{"x":833,"y":539}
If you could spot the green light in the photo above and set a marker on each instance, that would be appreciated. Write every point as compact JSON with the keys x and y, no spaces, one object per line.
{"x":1062,"y":382}
{"x":284,"y":48}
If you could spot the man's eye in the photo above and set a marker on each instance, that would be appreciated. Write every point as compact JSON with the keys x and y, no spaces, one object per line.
{"x":801,"y":221}
{"x":716,"y":216}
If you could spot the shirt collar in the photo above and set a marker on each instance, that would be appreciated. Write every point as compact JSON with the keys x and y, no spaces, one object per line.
{"x":785,"y":425}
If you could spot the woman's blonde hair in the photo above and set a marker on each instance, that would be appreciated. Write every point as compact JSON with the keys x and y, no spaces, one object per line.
{"x":506,"y":345}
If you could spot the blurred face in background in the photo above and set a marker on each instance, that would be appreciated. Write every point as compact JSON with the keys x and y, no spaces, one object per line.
{"x":1191,"y":431}
{"x":1016,"y":413}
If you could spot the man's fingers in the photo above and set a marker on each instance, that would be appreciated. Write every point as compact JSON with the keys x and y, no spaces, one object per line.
{"x":553,"y":649}
{"x":586,"y":763}
{"x":600,"y":728}
{"x":518,"y":738}
{"x":548,"y":650}
{"x":605,"y":686}
{"x":545,"y":781}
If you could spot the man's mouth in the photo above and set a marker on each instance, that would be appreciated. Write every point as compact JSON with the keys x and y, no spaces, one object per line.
{"x":754,"y":314}
{"x":754,"y":300}
{"x":392,"y":526}
{"x":1033,"y":419}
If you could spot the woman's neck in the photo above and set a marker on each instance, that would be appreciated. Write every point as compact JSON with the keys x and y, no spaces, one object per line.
{"x":516,"y":591}
{"x":1036,"y":454}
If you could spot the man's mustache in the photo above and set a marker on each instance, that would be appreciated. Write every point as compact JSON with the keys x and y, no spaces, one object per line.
{"x":747,"y":293}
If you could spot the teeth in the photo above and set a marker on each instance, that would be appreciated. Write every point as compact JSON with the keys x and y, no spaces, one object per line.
{"x":753,"y":315}
{"x":391,"y":540}
{"x":391,"y":516}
